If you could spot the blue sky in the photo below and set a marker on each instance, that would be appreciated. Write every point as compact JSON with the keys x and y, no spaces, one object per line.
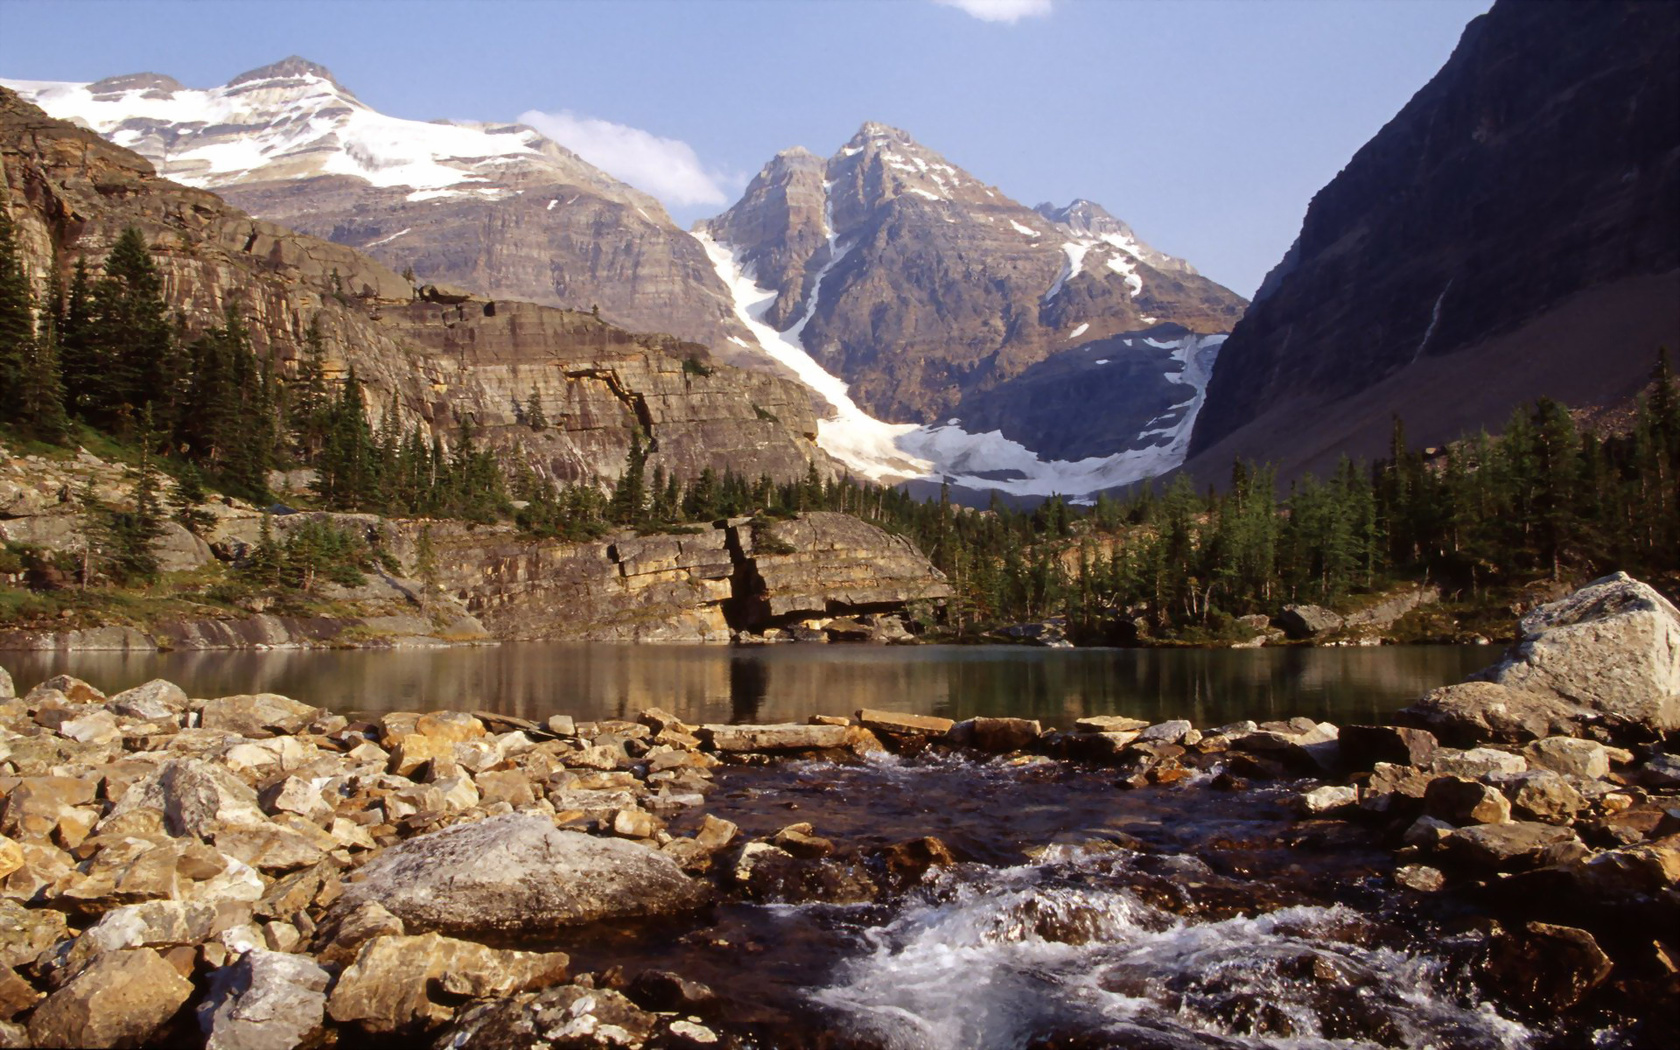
{"x":1206,"y":124}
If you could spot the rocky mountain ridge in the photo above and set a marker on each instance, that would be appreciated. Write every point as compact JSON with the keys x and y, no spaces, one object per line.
{"x":442,"y":360}
{"x":497,"y":208}
{"x":1513,"y":233}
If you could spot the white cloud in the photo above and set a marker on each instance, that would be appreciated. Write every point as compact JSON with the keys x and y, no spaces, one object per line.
{"x":1010,"y":11}
{"x":667,"y":168}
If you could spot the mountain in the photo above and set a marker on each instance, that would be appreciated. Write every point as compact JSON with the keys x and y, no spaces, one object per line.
{"x":496,"y":208}
{"x":1514,"y":232}
{"x":436,"y":361}
{"x":917,"y":284}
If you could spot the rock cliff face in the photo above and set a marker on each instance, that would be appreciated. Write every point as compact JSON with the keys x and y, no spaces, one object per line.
{"x":493,"y":207}
{"x":71,"y":193}
{"x":733,"y":576}
{"x":918,"y":284}
{"x":1513,"y":232}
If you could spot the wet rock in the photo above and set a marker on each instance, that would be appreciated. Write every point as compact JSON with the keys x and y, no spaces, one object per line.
{"x":1509,"y":846}
{"x":1459,"y":801}
{"x":518,"y":873}
{"x":1543,"y":969}
{"x":1096,"y":746}
{"x":1471,"y":713}
{"x":906,"y":862}
{"x":1363,"y":747}
{"x":1308,"y":621}
{"x":895,"y":722}
{"x":1394,"y":789}
{"x":1169,"y":732}
{"x":156,"y":700}
{"x":1420,"y":877}
{"x":398,"y":982}
{"x":1109,"y":724}
{"x":800,"y":841}
{"x":1477,"y":762}
{"x":1544,"y":796}
{"x":264,"y":1001}
{"x":1569,"y":755}
{"x":996,"y":736}
{"x":120,"y":999}
{"x":789,"y":737}
{"x":664,"y":990}
{"x":1300,"y":744}
{"x":1326,"y":799}
{"x":257,"y":714}
{"x":769,"y":873}
{"x":566,"y":1017}
{"x":716,"y":833}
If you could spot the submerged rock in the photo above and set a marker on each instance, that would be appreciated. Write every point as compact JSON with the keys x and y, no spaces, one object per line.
{"x":519,"y":873}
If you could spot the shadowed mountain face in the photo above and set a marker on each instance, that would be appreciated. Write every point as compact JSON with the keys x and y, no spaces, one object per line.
{"x":1513,"y":232}
{"x":919,"y":285}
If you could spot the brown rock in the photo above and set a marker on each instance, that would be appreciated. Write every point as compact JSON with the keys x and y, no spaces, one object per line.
{"x":1459,"y":801}
{"x":897,"y":722}
{"x":1364,"y":746}
{"x":1544,"y":969}
{"x":119,"y":1000}
{"x":788,"y":737}
{"x":996,"y":735}
{"x":394,"y":979}
{"x":449,"y":725}
{"x":1511,"y":846}
{"x":1471,"y":713}
{"x":73,"y":689}
{"x":257,"y":714}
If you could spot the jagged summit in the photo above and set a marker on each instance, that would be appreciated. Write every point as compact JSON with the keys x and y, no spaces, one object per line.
{"x":291,"y":67}
{"x":1088,"y":222}
{"x":162,"y":85}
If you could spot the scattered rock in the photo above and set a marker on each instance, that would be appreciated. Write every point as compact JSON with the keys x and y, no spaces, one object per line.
{"x":1570,"y":755}
{"x":1327,"y":799}
{"x":120,"y":999}
{"x":998,"y":736}
{"x":1544,"y":796}
{"x":1459,"y":801}
{"x":1508,"y":846}
{"x":1544,"y":969}
{"x":895,"y":722}
{"x":1420,"y":877}
{"x":1363,"y":747}
{"x":1472,"y":713}
{"x":257,"y":714}
{"x":264,"y":1001}
{"x":790,"y":737}
{"x":397,"y":982}
{"x":156,"y":700}
{"x":1477,"y":762}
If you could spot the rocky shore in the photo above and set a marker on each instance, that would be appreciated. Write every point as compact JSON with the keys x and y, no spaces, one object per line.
{"x":257,"y":872}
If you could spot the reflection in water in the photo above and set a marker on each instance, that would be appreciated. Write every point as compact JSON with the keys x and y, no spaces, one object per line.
{"x":713,"y":684}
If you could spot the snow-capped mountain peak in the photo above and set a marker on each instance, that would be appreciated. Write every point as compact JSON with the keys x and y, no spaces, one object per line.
{"x":1088,"y":224}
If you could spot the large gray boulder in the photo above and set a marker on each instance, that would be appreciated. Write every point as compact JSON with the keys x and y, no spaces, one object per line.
{"x":1613,"y":646}
{"x":1308,"y":621}
{"x":264,"y":1001}
{"x":518,"y":873}
{"x":1609,"y":653}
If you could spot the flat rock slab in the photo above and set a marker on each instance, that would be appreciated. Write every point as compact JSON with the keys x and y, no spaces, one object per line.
{"x":897,"y":722}
{"x":789,"y":737}
{"x":518,"y":873}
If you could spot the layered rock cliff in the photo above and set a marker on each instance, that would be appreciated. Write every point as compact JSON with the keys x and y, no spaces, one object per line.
{"x":445,"y":359}
{"x":918,"y":284}
{"x":1514,"y":232}
{"x":497,"y":208}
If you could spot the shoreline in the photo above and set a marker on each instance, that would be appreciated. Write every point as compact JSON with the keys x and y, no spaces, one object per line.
{"x":221,"y":852}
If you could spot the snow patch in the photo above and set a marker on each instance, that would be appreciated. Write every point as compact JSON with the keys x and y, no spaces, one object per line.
{"x":1081,"y":330}
{"x":1028,"y":230}
{"x":387,"y":240}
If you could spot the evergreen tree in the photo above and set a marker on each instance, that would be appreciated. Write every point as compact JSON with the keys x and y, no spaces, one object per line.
{"x":309,"y":406}
{"x":629,"y":500}
{"x":17,"y":311}
{"x":534,"y":417}
{"x":130,"y":324}
{"x":345,"y":467}
{"x":39,"y":394}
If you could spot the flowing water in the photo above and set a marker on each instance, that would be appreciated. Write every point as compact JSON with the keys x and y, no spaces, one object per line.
{"x":782,"y":683}
{"x":1077,"y":917}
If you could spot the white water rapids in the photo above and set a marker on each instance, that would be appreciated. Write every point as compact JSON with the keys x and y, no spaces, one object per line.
{"x":986,"y":958}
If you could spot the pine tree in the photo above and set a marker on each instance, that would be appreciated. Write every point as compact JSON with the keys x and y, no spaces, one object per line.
{"x":309,"y":405}
{"x":534,"y":417}
{"x":86,"y":371}
{"x":629,"y":500}
{"x":17,"y":311}
{"x":40,"y":388}
{"x":130,"y":324}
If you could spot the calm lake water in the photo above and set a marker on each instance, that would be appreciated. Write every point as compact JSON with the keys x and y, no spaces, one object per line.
{"x":785,"y":683}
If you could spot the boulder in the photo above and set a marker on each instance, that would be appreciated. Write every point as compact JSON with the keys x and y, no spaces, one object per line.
{"x":16,"y":995}
{"x":1109,"y":724}
{"x":896,"y":722}
{"x":119,"y":1000}
{"x":519,"y":873}
{"x":788,"y":737}
{"x":156,"y":700}
{"x":1472,"y":713}
{"x":1544,"y":796}
{"x":257,"y":714}
{"x":1326,"y":799}
{"x":74,"y":689}
{"x":196,"y":798}
{"x":264,"y":1001}
{"x":1168,"y":732}
{"x":398,"y":982}
{"x":1569,"y":755}
{"x":156,"y":924}
{"x":1545,"y":969}
{"x":1363,"y":747}
{"x":1514,"y":845}
{"x":996,"y":735}
{"x":27,"y":932}
{"x":1459,"y":801}
{"x":1612,"y":647}
{"x":7,"y":689}
{"x":1308,"y":621}
{"x":566,"y":1016}
{"x":1476,"y":762}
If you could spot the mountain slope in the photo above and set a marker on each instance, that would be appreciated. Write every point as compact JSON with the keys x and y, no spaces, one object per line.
{"x":935,"y":285}
{"x":71,"y":193}
{"x":496,"y":208}
{"x":1513,"y":232}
